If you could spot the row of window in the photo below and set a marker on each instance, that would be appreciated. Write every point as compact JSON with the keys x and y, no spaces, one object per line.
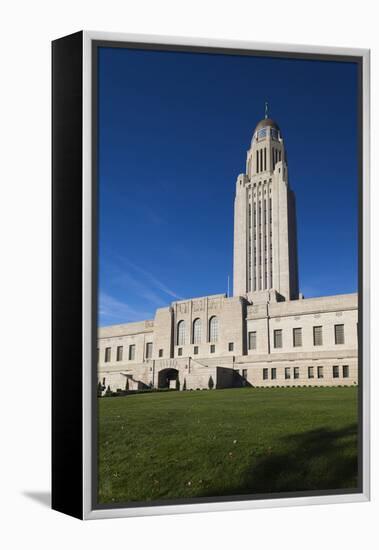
{"x":294,"y":372}
{"x":339,"y":338}
{"x":297,"y":337}
{"x":131,"y":352}
{"x":258,"y":265}
{"x":260,"y":215}
{"x":149,"y":351}
{"x":212,"y":349}
{"x":261,"y":158}
{"x":197,"y":331}
{"x":261,"y":162}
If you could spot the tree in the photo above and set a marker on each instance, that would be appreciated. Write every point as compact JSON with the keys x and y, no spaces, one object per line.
{"x":184,"y":385}
{"x":211,"y":384}
{"x":177,"y":385}
{"x":127,"y":383}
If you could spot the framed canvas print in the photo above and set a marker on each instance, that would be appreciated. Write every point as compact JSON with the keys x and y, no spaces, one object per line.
{"x":210,"y":275}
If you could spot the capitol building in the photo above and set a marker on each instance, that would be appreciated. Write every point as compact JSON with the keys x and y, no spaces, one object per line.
{"x":267,"y":333}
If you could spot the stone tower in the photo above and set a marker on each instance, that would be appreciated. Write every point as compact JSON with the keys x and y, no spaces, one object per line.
{"x":265,"y":240}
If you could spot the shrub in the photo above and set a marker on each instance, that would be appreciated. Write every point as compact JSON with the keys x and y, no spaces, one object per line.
{"x":211,"y":383}
{"x":100,"y":389}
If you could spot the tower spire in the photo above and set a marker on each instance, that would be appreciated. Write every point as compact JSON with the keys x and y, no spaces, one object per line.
{"x":266,"y":109}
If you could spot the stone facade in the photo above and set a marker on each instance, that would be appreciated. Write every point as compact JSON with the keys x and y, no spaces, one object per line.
{"x":267,"y":334}
{"x":265,"y":242}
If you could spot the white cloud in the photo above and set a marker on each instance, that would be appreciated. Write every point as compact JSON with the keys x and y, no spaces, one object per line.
{"x":131,"y":280}
{"x":112,"y":310}
{"x":153,"y":280}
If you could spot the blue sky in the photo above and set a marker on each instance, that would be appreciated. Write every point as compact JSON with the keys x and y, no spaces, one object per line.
{"x":174,"y":129}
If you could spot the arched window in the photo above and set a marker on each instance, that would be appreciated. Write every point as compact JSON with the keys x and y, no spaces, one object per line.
{"x":197,"y":331}
{"x":181,"y":333}
{"x":213,"y":329}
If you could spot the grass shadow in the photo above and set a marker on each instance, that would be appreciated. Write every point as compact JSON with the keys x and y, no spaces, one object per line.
{"x":320,"y":459}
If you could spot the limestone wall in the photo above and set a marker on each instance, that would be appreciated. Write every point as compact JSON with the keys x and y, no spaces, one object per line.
{"x":232,"y":357}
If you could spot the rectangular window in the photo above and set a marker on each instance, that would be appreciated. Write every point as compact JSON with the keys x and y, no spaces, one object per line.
{"x":336,"y":371}
{"x":297,"y":337}
{"x":317,"y":336}
{"x":244,"y":373}
{"x":180,"y":351}
{"x":231,"y":346}
{"x":132,"y":352}
{"x":120,"y":350}
{"x":149,"y":350}
{"x":160,"y":353}
{"x":107,"y":355}
{"x":273,"y":374}
{"x":265,"y":374}
{"x":287,"y":373}
{"x":252,"y":340}
{"x":278,"y":341}
{"x":311,"y":373}
{"x":345,"y":371}
{"x":339,"y":334}
{"x":196,"y":350}
{"x":296,"y":372}
{"x":213,"y":348}
{"x":320,"y":372}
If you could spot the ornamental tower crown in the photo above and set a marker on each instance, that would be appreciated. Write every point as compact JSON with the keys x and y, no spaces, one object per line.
{"x":266,"y":148}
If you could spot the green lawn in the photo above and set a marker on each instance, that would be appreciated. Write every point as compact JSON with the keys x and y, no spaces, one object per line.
{"x":226,"y":442}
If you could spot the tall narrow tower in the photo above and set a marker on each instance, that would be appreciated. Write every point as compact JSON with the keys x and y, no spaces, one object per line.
{"x":265,"y":240}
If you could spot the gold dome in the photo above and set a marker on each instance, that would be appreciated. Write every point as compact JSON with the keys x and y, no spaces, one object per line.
{"x":266,"y":122}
